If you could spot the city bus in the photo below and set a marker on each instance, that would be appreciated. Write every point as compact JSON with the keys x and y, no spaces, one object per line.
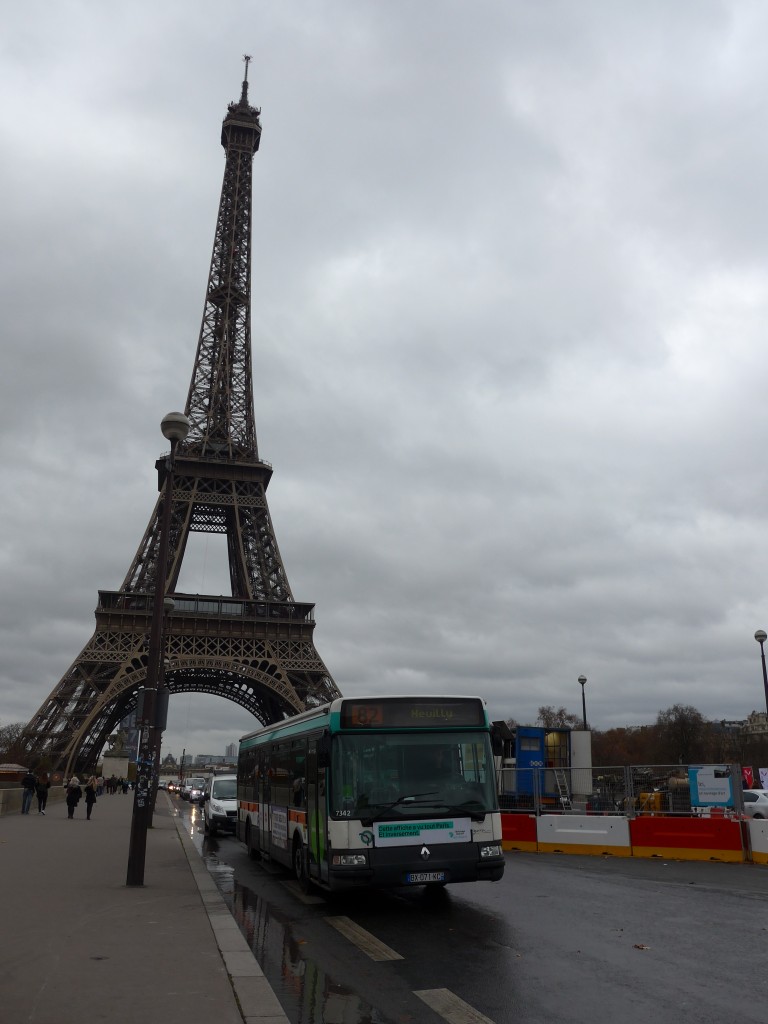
{"x":374,"y":791}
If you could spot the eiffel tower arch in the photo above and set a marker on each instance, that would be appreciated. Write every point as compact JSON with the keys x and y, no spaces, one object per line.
{"x":254,"y":647}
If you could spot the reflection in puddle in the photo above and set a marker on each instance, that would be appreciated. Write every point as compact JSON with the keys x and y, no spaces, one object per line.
{"x":317,"y":998}
{"x":305,"y":990}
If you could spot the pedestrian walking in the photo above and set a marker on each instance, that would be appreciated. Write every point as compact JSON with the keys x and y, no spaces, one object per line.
{"x":43,"y":785}
{"x":90,"y":796}
{"x":100,"y":785}
{"x":124,"y":785}
{"x":73,"y":795}
{"x":29,"y":787}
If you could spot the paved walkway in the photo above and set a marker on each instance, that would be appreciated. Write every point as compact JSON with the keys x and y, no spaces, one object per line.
{"x":79,"y":946}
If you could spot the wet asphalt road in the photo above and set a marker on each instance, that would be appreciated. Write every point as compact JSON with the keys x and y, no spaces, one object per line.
{"x":582,"y":940}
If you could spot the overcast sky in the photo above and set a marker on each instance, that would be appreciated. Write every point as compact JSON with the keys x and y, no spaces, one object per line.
{"x":510,"y":300}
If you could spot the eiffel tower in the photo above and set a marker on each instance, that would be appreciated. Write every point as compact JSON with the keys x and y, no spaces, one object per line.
{"x":256,"y":646}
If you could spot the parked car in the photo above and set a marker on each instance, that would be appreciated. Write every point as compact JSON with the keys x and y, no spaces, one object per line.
{"x":220,"y":804}
{"x":756,"y":803}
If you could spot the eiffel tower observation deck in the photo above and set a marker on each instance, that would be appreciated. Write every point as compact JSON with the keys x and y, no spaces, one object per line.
{"x":255,"y":646}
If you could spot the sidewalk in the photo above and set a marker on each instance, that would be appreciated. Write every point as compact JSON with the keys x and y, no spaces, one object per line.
{"x":78,"y":945}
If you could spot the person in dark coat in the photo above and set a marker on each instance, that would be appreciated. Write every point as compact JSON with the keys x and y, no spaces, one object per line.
{"x":90,"y":796}
{"x":43,"y":785}
{"x":73,"y":795}
{"x":28,"y":785}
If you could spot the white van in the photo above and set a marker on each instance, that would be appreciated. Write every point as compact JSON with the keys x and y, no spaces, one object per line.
{"x":220,"y":804}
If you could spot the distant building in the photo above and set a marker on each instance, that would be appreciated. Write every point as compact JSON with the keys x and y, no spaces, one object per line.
{"x":756,"y":724}
{"x":230,"y":752}
{"x":209,"y":759}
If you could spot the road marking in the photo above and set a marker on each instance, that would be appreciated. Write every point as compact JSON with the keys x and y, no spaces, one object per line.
{"x":449,"y":1006}
{"x":364,"y":941}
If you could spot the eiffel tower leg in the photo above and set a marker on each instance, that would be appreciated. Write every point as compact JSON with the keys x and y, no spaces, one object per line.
{"x":89,"y":702}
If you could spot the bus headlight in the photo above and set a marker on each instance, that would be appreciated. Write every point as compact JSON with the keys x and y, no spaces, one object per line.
{"x":350,"y":860}
{"x":490,"y":850}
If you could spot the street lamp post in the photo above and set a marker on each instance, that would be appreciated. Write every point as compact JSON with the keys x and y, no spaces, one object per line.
{"x":162,"y":698}
{"x":761,"y":636}
{"x":583,"y":682}
{"x":175,"y":427}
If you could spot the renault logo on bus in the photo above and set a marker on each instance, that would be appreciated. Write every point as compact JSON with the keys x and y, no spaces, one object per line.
{"x":425,"y":855}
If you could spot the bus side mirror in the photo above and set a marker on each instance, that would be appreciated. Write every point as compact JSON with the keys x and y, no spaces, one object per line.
{"x":324,"y":751}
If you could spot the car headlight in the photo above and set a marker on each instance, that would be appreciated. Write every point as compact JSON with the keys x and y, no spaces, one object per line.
{"x":491,"y":850}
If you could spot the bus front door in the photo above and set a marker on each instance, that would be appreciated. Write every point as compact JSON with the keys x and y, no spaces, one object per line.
{"x":317,"y":816}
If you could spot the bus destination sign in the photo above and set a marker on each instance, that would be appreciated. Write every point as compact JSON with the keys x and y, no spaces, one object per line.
{"x":407,"y":712}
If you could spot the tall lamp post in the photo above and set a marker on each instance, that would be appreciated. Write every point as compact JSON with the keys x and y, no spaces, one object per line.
{"x":583,"y":683}
{"x":175,"y":427}
{"x":162,"y":697}
{"x":761,"y":636}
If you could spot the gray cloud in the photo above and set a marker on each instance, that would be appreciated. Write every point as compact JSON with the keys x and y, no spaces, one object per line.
{"x":509,"y":292}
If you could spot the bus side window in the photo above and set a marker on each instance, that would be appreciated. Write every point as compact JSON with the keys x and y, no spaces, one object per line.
{"x":298,"y":773}
{"x":264,"y":776}
{"x":282,"y":789}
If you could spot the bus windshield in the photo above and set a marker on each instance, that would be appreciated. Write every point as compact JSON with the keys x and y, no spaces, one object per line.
{"x":394,"y":775}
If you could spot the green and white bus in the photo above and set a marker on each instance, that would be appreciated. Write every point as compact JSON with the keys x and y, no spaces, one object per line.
{"x":374,"y":791}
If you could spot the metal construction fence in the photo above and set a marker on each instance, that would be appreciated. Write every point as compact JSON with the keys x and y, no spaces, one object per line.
{"x":627,"y":790}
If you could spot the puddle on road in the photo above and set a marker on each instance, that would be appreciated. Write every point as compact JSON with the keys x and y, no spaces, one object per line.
{"x":318,"y":999}
{"x":307,"y":993}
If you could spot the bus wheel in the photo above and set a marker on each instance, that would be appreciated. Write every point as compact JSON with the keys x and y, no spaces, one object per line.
{"x":253,"y":854}
{"x":300,"y":865}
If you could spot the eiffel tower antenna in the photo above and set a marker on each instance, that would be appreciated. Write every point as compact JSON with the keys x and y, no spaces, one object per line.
{"x":254,"y":647}
{"x":244,"y":96}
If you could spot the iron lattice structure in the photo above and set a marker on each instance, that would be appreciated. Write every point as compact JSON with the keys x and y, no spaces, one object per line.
{"x":256,"y":647}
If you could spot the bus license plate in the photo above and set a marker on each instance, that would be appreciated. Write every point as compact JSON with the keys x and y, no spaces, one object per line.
{"x":415,"y":877}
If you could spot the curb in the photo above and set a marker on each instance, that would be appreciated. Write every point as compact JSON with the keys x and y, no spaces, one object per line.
{"x":256,"y":1000}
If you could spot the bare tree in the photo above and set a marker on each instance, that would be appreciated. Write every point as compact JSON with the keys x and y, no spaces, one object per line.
{"x":560,"y":718}
{"x":624,"y":746}
{"x":11,"y":747}
{"x":683,"y":735}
